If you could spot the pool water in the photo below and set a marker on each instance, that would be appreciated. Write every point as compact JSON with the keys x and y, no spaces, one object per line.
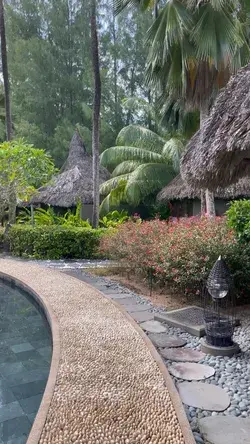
{"x":25,"y":355}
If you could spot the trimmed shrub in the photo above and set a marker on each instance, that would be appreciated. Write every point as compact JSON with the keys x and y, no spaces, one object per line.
{"x":54,"y":242}
{"x":180,"y":253}
{"x":238,"y":218}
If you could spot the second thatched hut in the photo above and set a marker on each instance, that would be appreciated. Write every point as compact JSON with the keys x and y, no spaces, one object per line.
{"x":185,"y":200}
{"x":74,"y":182}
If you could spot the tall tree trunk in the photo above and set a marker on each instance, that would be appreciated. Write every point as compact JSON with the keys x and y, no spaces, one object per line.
{"x":210,"y":207}
{"x":96,"y":115}
{"x":5,"y":73}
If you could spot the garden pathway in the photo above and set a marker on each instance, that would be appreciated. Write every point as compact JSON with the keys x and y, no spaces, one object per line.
{"x":111,"y":386}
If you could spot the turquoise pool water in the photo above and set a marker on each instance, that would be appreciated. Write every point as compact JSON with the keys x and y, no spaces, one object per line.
{"x":25,"y":355}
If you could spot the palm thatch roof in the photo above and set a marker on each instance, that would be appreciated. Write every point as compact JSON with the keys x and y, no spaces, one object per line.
{"x":177,"y":189}
{"x":74,"y":182}
{"x":220,"y":155}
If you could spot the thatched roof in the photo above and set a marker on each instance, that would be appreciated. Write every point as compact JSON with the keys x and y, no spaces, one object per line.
{"x":177,"y":189}
{"x":221,"y":155}
{"x":74,"y":182}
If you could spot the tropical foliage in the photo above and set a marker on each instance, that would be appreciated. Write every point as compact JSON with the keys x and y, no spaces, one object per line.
{"x":22,"y":169}
{"x":180,"y":253}
{"x":141,"y":164}
{"x":238,"y":219}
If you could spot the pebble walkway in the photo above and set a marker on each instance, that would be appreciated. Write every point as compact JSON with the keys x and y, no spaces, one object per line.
{"x":109,"y":389}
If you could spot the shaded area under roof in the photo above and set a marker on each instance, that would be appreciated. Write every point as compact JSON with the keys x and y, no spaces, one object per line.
{"x":74,"y":182}
{"x":220,"y":156}
{"x":177,"y":189}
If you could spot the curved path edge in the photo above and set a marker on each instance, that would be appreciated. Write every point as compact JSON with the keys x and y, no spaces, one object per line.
{"x":41,"y":416}
{"x":39,"y":422}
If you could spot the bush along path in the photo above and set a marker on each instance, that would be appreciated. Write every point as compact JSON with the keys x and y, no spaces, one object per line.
{"x":215,"y":390}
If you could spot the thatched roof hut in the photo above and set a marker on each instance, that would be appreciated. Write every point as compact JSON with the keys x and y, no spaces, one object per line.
{"x":74,"y":182}
{"x":220,"y":156}
{"x":177,"y":189}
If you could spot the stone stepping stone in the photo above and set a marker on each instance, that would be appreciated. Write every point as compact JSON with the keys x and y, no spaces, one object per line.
{"x":142,"y":316}
{"x":131,"y":308}
{"x":204,"y":396}
{"x":191,"y":371}
{"x":153,"y":327}
{"x":121,"y":296}
{"x":127,"y":300}
{"x":182,"y":355}
{"x":164,"y":340}
{"x":225,"y":430}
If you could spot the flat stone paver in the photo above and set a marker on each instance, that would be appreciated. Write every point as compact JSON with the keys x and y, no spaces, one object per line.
{"x":109,"y":389}
{"x":121,"y":296}
{"x":182,"y":354}
{"x":126,"y":301}
{"x":164,"y":340}
{"x":225,"y":430}
{"x":191,"y":371}
{"x":204,"y":396}
{"x":153,"y":327}
{"x":132,"y":308}
{"x":142,"y":316}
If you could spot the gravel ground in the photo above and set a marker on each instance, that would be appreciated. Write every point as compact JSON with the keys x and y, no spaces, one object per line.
{"x":231,"y":374}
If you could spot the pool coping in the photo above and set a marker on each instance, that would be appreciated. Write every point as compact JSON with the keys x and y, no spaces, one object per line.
{"x":41,"y":416}
{"x":39,"y":422}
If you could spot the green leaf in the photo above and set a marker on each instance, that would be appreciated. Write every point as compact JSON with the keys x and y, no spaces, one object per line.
{"x":147,"y":179}
{"x":113,"y":156}
{"x":140,"y":137}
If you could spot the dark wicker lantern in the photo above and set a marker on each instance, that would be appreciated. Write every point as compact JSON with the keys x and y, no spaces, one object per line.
{"x":219,"y":308}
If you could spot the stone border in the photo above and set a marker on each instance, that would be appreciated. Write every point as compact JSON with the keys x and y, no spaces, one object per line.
{"x":173,"y":392}
{"x":41,"y":416}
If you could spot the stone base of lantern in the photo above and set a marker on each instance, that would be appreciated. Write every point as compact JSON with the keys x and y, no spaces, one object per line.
{"x":219,"y":351}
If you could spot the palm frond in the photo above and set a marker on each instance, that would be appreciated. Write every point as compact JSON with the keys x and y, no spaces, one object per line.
{"x":114,"y":198}
{"x":111,"y":184}
{"x":147,"y":179}
{"x":113,"y":156}
{"x":140,"y":137}
{"x":125,"y":167}
{"x":173,"y":150}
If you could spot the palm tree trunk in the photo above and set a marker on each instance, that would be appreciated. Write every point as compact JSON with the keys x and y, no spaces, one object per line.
{"x":5,"y":73}
{"x":96,"y":115}
{"x":209,"y":196}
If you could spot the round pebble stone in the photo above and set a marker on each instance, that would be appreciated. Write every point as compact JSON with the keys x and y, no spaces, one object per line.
{"x":164,"y":340}
{"x":183,"y":354}
{"x":191,"y":371}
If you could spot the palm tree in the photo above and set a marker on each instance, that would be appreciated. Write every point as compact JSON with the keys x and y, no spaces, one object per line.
{"x":5,"y":73}
{"x":96,"y":114}
{"x":141,"y":164}
{"x":194,"y":46}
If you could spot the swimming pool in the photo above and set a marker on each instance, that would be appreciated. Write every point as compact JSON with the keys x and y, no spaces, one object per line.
{"x":25,"y":356}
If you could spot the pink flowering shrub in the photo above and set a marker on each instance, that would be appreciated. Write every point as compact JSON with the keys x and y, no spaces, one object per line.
{"x":180,"y":253}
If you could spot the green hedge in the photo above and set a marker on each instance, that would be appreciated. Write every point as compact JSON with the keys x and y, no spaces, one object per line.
{"x":54,"y":242}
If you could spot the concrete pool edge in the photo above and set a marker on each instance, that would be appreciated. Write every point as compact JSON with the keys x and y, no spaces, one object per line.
{"x":175,"y":397}
{"x":40,"y":419}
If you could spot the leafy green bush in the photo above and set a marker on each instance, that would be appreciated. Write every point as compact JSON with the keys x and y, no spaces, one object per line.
{"x":54,"y":242}
{"x":180,"y":254}
{"x":238,"y":218}
{"x":113,"y":219}
{"x":49,"y":217}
